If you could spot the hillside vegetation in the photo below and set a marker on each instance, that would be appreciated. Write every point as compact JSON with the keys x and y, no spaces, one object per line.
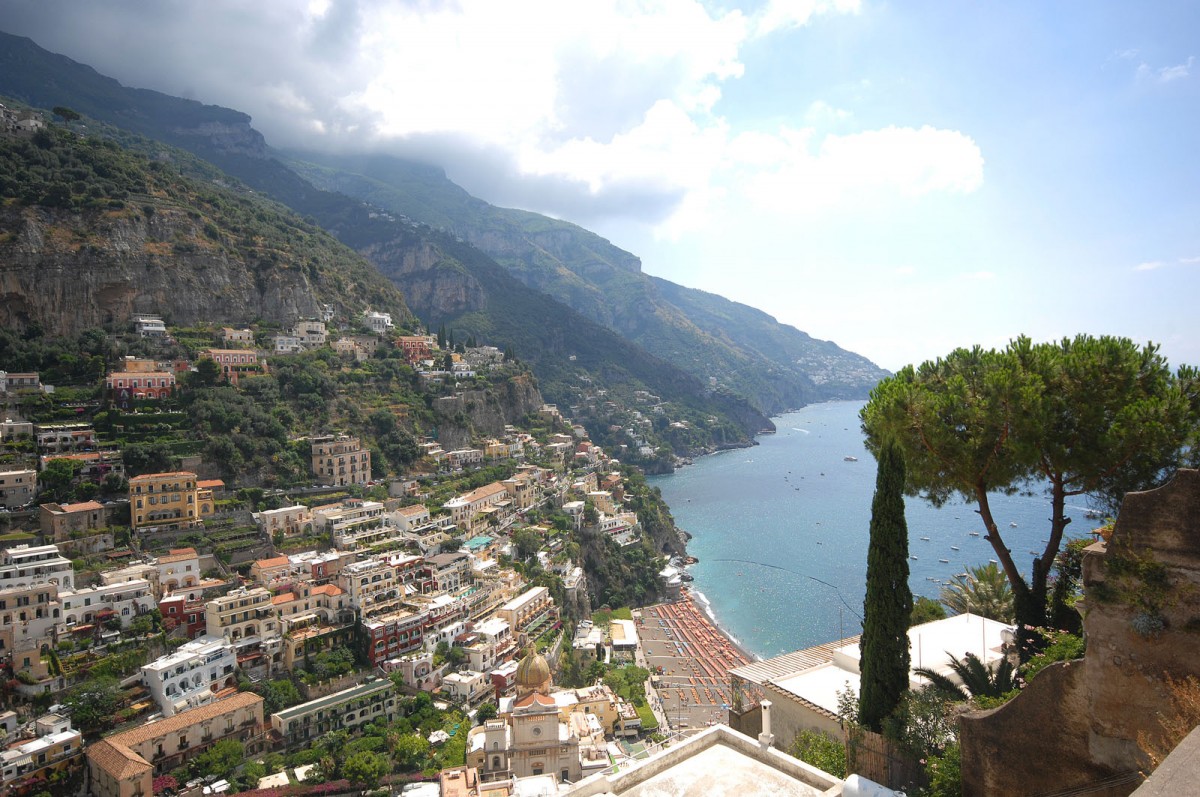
{"x":91,"y":233}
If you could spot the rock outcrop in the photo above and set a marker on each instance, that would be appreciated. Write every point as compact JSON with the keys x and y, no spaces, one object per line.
{"x":471,"y":414}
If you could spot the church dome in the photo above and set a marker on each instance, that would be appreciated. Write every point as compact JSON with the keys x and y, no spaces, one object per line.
{"x":533,"y":673}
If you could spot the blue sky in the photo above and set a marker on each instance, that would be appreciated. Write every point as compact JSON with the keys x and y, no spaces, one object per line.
{"x":901,"y":178}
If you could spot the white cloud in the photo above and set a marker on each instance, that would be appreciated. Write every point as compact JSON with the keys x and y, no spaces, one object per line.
{"x":1166,"y":74}
{"x":1153,"y":265}
{"x":587,"y":111}
{"x":779,"y":15}
{"x":822,"y":114}
{"x":796,"y":170}
{"x":1169,"y":73}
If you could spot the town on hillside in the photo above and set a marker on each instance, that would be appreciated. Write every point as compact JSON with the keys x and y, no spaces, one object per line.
{"x":173,"y":622}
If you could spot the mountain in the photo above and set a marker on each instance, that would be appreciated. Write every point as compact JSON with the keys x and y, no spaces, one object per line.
{"x":445,"y":280}
{"x":775,"y":365}
{"x":91,"y":233}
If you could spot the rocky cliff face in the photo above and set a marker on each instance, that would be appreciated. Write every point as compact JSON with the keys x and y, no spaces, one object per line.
{"x":237,"y":138}
{"x":433,"y":286}
{"x":472,"y":414}
{"x":66,"y":271}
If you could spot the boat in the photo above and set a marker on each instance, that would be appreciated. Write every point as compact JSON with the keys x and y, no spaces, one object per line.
{"x":926,"y":539}
{"x":912,"y":557}
{"x":850,"y":459}
{"x":993,"y":561}
{"x":973,"y":533}
{"x":944,"y":561}
{"x":1013,"y":524}
{"x":954,"y":547}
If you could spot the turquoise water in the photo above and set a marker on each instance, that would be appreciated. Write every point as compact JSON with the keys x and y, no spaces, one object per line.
{"x":781,"y":531}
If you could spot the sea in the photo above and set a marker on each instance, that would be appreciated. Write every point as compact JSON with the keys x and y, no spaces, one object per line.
{"x":781,"y":531}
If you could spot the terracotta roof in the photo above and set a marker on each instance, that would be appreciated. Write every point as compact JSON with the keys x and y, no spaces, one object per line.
{"x":486,"y":491}
{"x":328,"y":589}
{"x":184,"y":719}
{"x":415,"y":509}
{"x":535,"y":697}
{"x":210,"y":483}
{"x":179,"y":474}
{"x":286,"y":597}
{"x":276,"y":561}
{"x":117,"y":760}
{"x":84,"y":506}
{"x":191,"y":551}
{"x":176,"y":557}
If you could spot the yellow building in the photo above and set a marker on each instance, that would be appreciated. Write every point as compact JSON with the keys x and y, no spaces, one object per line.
{"x":168,"y":500}
{"x":124,"y":764}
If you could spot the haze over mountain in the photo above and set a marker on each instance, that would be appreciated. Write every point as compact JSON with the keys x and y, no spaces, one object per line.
{"x":777,"y":366}
{"x":444,"y":280}
{"x":736,"y":349}
{"x":962,"y":176}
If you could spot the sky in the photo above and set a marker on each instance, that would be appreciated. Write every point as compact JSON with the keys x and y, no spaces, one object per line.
{"x":902,"y":178}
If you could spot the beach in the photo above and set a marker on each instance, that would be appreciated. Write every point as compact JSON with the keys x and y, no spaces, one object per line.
{"x":689,"y":659}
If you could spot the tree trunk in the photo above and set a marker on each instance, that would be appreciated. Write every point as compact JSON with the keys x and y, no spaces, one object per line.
{"x":1029,"y":605}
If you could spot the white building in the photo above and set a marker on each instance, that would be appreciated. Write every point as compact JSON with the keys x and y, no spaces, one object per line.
{"x":26,"y":565}
{"x":56,"y":742}
{"x":150,"y":326}
{"x":493,"y":637}
{"x":178,"y":570}
{"x":805,"y":686}
{"x":124,"y":600}
{"x":467,"y":686}
{"x":373,"y":587}
{"x":287,"y":344}
{"x":354,"y":524}
{"x":192,"y":675}
{"x":290,"y":521}
{"x":379,"y":323}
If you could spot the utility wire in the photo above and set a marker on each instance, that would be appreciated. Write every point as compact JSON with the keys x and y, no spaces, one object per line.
{"x":796,"y":573}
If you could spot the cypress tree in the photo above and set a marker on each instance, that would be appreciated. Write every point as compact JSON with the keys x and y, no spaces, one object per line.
{"x":884,"y":644}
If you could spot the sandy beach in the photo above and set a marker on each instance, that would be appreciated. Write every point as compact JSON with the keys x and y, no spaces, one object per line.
{"x":691,"y":658}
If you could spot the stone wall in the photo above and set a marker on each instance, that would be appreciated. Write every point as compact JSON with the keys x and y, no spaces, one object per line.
{"x":1077,"y":723}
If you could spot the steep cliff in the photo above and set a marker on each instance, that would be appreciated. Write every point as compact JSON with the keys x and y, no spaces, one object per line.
{"x":90,"y":235}
{"x":449,"y":280}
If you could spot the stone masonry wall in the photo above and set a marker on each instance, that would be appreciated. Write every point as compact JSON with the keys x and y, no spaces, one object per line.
{"x":1078,"y":722}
